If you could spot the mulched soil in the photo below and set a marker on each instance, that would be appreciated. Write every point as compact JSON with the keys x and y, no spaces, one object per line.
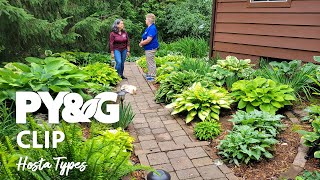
{"x":138,"y":175}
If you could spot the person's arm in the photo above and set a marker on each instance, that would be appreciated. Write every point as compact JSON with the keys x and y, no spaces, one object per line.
{"x":128,"y":45}
{"x":146,"y":41}
{"x":152,"y":32}
{"x":111,"y":41}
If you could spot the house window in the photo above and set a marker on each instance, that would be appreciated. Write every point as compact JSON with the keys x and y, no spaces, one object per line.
{"x":269,"y":3}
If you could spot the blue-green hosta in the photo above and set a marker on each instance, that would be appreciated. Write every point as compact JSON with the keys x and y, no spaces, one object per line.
{"x":244,"y":144}
{"x":313,"y":113}
{"x":310,"y":138}
{"x":202,"y":102}
{"x":54,"y":74}
{"x":263,"y":94}
{"x":259,"y":120}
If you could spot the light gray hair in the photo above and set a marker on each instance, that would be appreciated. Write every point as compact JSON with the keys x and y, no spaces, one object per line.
{"x":115,"y":25}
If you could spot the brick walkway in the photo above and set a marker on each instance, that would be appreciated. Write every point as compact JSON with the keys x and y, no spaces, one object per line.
{"x":166,"y":142}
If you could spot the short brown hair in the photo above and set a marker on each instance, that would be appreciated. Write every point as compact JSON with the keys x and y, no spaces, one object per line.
{"x":151,"y":17}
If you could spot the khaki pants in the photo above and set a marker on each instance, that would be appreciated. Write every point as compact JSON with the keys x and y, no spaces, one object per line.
{"x":152,"y":68}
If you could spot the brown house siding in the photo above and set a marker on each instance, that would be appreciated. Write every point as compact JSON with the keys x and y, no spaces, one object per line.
{"x":251,"y":32}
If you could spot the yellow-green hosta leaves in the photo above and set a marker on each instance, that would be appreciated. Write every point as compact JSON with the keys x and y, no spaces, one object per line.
{"x":263,"y":94}
{"x":102,"y":73}
{"x":202,"y":102}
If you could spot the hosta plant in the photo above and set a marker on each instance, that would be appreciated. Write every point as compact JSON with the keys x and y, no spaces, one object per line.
{"x":231,"y":70}
{"x":234,"y":64}
{"x":165,"y":69}
{"x":244,"y":144}
{"x":313,"y":113}
{"x":174,"y":84}
{"x":309,"y":175}
{"x":312,"y":138}
{"x":263,"y":94}
{"x":207,"y":130}
{"x":49,"y":74}
{"x":202,"y":102}
{"x":102,"y":73}
{"x":260,"y":121}
{"x":218,"y":76}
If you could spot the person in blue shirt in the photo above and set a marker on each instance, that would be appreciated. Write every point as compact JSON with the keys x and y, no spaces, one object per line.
{"x":150,"y":44}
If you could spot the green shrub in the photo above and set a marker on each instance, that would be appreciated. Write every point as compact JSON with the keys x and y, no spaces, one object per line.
{"x":191,"y":47}
{"x":164,"y":50}
{"x":174,"y":84}
{"x":102,"y":74}
{"x":126,"y":116}
{"x":207,"y":130}
{"x":189,"y":17}
{"x":307,"y":175}
{"x":311,"y":138}
{"x":82,"y":58}
{"x":260,"y":121}
{"x":244,"y":144}
{"x":199,"y":66}
{"x":49,"y":74}
{"x":293,"y":74}
{"x":261,"y":93}
{"x":202,"y":102}
{"x":159,"y":61}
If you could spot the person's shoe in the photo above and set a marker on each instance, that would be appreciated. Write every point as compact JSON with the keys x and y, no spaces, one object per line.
{"x":150,"y":78}
{"x":122,"y":77}
{"x":146,"y":75}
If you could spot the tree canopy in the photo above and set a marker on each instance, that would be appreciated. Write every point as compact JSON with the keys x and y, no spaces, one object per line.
{"x":28,"y":27}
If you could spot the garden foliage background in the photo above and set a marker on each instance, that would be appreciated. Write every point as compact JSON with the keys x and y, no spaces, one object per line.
{"x":29,"y":27}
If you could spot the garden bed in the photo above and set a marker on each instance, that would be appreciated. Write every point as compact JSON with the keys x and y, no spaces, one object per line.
{"x":284,"y":152}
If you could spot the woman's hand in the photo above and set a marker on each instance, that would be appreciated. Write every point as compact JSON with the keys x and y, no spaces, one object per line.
{"x":128,"y":53}
{"x":112,"y":55}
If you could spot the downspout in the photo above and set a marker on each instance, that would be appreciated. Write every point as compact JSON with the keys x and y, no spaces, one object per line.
{"x":213,"y":25}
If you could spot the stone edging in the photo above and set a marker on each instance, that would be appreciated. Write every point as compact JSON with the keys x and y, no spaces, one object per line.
{"x":299,"y":161}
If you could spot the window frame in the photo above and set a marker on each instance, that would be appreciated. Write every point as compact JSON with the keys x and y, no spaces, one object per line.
{"x":269,"y":4}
